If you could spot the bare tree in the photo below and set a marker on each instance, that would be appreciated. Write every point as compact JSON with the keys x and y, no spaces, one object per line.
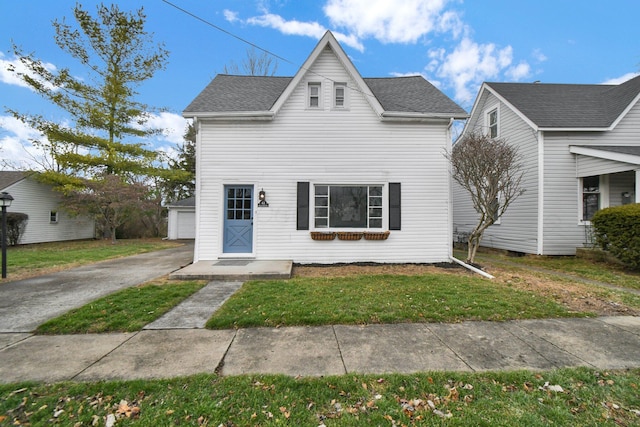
{"x":491,"y":171}
{"x":254,"y":65}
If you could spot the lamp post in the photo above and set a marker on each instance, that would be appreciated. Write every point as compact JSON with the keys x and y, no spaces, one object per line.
{"x":5,"y":202}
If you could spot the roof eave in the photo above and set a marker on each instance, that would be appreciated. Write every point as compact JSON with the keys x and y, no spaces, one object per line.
{"x":230,"y":115}
{"x":575,"y":129}
{"x":405,"y":116}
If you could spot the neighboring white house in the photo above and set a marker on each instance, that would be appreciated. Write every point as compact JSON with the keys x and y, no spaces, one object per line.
{"x":581,"y":150}
{"x":181,"y":222}
{"x":47,"y":222}
{"x":329,"y":151}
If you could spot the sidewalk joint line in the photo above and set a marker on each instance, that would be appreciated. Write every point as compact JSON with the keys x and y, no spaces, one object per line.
{"x":101,"y":358}
{"x":449,"y":347}
{"x":218,"y":369}
{"x":335,"y":334}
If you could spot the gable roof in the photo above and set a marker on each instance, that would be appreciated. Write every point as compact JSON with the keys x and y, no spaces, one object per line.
{"x":569,"y":106}
{"x":8,"y":178}
{"x":189,"y":202}
{"x":258,"y":96}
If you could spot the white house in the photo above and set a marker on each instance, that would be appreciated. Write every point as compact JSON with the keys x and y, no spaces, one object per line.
{"x":47,"y":222}
{"x":580,"y":145}
{"x":284,"y":164}
{"x":181,"y":221}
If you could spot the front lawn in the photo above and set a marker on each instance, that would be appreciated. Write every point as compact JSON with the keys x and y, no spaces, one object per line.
{"x":127,"y":310}
{"x":37,"y":259}
{"x":563,"y":397}
{"x":380,"y":299}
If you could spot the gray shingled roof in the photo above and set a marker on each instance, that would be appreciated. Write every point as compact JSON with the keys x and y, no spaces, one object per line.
{"x":8,"y":178}
{"x":622,"y":149}
{"x":569,"y":105}
{"x":185,"y":203}
{"x":228,"y":93}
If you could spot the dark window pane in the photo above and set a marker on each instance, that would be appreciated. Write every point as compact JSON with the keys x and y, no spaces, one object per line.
{"x":247,"y":214}
{"x":375,"y":201}
{"x":238,"y":193}
{"x":322,"y":212}
{"x":230,"y":215}
{"x":322,"y":190}
{"x":247,"y":204}
{"x":375,"y":191}
{"x":375,"y":212}
{"x":375,"y":223}
{"x":590,"y":205}
{"x":321,"y":223}
{"x":230,"y":193}
{"x":348,"y":207}
{"x":238,"y":204}
{"x":322,"y":201}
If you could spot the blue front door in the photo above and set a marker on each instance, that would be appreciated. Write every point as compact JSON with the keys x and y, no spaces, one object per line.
{"x":238,"y":219}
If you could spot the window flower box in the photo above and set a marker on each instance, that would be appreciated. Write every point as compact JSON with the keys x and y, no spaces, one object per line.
{"x":349,"y":235}
{"x":369,"y":235}
{"x":320,"y":235}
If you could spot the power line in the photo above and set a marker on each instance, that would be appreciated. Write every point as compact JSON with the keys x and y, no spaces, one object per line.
{"x":229,"y":33}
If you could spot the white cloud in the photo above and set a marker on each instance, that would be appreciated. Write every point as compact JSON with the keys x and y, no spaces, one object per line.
{"x":299,"y":28}
{"x":15,"y":145}
{"x":11,"y":68}
{"x":173,"y":126}
{"x":230,"y":15}
{"x":538,"y":55}
{"x":470,"y":63}
{"x":390,"y":21}
{"x":621,"y":79}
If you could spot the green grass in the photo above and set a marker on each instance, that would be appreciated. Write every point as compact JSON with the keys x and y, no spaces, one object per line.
{"x":379,"y":299}
{"x":127,"y":310}
{"x":584,"y":268}
{"x":588,"y":398}
{"x":31,"y":260}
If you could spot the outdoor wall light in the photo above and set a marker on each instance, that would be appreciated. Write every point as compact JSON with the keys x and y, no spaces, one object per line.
{"x":5,"y":202}
{"x":262,"y":196}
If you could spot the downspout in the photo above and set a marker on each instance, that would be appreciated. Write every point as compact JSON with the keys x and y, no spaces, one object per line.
{"x":472,"y":268}
{"x":450,"y":207}
{"x":540,"y":248}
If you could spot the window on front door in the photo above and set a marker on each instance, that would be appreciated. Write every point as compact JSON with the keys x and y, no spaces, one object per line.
{"x":590,"y":197}
{"x":348,"y":206}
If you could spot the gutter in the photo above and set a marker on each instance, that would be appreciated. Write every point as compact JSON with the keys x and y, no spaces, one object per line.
{"x":472,"y":268}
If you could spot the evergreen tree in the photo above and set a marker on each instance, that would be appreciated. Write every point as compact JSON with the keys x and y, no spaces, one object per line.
{"x":107,"y":122}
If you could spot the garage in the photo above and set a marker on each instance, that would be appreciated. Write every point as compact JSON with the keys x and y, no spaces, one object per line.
{"x":182,"y":219}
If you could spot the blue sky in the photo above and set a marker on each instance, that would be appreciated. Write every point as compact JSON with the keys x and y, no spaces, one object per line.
{"x":455,"y":44}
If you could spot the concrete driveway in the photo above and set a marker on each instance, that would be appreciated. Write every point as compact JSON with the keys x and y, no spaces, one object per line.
{"x":25,"y":304}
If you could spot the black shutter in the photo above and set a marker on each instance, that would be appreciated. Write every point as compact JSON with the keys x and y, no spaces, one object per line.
{"x":394,"y":206}
{"x":303,"y":206}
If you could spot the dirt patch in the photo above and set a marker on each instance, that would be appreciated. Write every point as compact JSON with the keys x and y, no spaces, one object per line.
{"x":574,"y":296}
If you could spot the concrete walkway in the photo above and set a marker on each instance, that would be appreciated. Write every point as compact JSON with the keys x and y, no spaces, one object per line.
{"x":599,"y":343}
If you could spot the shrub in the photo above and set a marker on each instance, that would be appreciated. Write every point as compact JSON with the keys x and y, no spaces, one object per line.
{"x":617,"y":231}
{"x":16,"y":224}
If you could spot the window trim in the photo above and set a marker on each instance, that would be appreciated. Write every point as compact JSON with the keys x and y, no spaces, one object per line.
{"x":384,"y":206}
{"x":490,"y":127}
{"x":311,"y":85}
{"x":603,"y":196}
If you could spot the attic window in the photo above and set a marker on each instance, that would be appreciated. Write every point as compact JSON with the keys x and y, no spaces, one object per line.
{"x":492,"y":123}
{"x":339,"y":95}
{"x":314,"y":95}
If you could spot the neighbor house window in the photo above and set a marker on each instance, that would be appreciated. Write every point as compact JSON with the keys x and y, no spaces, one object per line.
{"x":340,"y":95}
{"x":53,"y":217}
{"x":348,"y":206}
{"x":492,"y":123}
{"x":314,"y":95}
{"x":590,"y":197}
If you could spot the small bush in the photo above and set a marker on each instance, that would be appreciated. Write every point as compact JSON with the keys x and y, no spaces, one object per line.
{"x":16,"y":224}
{"x":617,"y":231}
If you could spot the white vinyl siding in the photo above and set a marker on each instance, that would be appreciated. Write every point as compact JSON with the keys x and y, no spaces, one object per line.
{"x":517,"y":229}
{"x":326,"y":146}
{"x":563,"y":231}
{"x":39,"y":201}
